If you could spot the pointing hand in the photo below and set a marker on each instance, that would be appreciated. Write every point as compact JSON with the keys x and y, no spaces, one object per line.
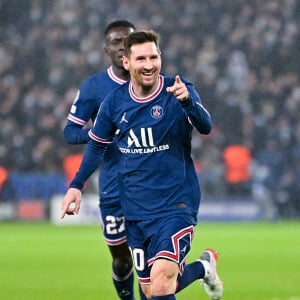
{"x":72,"y":196}
{"x":179,"y":89}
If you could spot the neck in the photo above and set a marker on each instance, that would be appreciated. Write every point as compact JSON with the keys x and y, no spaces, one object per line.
{"x":121,"y":73}
{"x":143,"y":90}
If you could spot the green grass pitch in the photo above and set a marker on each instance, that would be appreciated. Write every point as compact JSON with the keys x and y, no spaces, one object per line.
{"x":40,"y":261}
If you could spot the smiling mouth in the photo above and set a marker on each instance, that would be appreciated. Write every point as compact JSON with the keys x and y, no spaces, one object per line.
{"x":148,"y":73}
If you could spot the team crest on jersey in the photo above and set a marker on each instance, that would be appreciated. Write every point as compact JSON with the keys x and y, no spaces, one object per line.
{"x":156,"y":112}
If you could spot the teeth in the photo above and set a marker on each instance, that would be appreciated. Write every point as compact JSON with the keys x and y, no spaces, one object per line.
{"x":147,"y":73}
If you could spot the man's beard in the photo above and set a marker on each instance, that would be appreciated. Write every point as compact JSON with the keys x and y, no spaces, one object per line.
{"x":146,"y":88}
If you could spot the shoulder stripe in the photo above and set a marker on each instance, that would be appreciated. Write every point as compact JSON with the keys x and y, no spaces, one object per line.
{"x":76,"y":120}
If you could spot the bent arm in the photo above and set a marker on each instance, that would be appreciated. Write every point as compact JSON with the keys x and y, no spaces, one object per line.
{"x":76,"y":134}
{"x":197,"y":113}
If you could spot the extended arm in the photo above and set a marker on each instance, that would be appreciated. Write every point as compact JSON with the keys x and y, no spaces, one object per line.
{"x":92,"y":159}
{"x":75,"y":134}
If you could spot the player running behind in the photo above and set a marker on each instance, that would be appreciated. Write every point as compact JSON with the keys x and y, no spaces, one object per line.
{"x":85,"y":107}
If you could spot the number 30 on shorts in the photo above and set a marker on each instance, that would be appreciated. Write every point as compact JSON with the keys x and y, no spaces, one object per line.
{"x":138,"y":258}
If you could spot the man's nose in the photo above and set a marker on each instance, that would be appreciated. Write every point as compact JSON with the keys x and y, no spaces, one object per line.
{"x":122,"y":43}
{"x":148,"y":64}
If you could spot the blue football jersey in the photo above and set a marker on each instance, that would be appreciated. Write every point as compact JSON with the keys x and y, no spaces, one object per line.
{"x":156,"y":171}
{"x":90,"y":95}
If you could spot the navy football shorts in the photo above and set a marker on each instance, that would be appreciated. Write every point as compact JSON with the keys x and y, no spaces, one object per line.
{"x":112,"y":222}
{"x":167,"y":237}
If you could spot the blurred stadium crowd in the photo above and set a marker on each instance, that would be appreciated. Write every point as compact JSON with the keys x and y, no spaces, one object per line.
{"x":243,"y":57}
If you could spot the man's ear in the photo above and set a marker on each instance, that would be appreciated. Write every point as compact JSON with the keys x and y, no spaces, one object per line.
{"x":106,"y":50}
{"x":125,"y":63}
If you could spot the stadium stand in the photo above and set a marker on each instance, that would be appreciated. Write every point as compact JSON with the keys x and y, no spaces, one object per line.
{"x":243,"y":56}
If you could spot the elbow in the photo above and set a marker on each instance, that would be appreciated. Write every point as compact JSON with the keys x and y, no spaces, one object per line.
{"x":206,"y":129}
{"x":68,"y":136}
{"x":76,"y":135}
{"x":69,"y":141}
{"x":207,"y":132}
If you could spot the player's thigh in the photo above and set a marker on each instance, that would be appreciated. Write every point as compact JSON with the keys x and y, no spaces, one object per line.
{"x":163,"y":276}
{"x":172,"y":240}
{"x":164,"y":238}
{"x":164,"y":269}
{"x":137,"y":234}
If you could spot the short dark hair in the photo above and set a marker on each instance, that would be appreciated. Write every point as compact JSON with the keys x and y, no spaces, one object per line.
{"x":140,"y":37}
{"x":118,"y":23}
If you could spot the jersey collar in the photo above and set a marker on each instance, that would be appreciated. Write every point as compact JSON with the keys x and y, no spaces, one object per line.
{"x":114,"y":77}
{"x":150,"y":97}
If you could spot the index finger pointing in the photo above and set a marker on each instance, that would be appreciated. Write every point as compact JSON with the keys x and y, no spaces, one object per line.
{"x":177,"y":79}
{"x":64,"y":210}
